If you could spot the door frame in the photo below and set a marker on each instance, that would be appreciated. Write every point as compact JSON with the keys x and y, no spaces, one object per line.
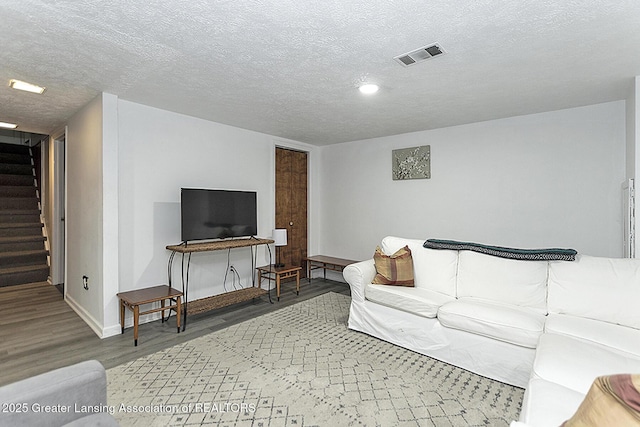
{"x":58,"y":233}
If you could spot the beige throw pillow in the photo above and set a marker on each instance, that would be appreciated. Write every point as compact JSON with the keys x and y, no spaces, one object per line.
{"x":396,"y":269}
{"x":612,"y":401}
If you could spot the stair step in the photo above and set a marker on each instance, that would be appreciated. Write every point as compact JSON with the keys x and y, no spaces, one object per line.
{"x":21,"y":243}
{"x":17,"y":191}
{"x":5,"y":225}
{"x":21,"y":159}
{"x":12,"y":203}
{"x":14,"y":169}
{"x":18,"y":239}
{"x":24,"y":274}
{"x":19,"y":215}
{"x":20,"y":229}
{"x":11,"y":179}
{"x":23,"y":257}
{"x":14,"y":148}
{"x":20,"y":258}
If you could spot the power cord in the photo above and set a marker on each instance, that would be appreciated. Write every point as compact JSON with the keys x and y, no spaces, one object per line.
{"x":226,"y":271}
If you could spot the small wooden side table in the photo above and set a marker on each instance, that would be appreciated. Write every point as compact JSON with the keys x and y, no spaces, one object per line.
{"x":271,"y":272}
{"x":134,"y":299}
{"x":326,"y":263}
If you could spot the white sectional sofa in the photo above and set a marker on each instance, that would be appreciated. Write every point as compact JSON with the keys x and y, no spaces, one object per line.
{"x":551,"y":327}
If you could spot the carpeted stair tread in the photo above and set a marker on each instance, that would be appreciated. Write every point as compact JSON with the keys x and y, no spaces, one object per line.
{"x":16,"y":169}
{"x":23,"y":268}
{"x":17,"y":191}
{"x":15,"y":217}
{"x":21,"y":225}
{"x":22,"y":239}
{"x":22,"y":243}
{"x":14,"y":148}
{"x":20,"y":229}
{"x":19,"y":211}
{"x":9,"y":254}
{"x":23,"y":274}
{"x":17,"y":158}
{"x":18,"y":203}
{"x":12,"y":179}
{"x":23,"y":256}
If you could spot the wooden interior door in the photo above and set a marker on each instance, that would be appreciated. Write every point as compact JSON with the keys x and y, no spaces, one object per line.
{"x":291,"y":204}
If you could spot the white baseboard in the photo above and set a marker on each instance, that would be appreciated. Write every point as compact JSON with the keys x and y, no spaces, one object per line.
{"x":84,"y":315}
{"x":111,"y":330}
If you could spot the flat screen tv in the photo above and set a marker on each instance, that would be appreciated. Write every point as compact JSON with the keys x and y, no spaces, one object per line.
{"x":217,"y":214}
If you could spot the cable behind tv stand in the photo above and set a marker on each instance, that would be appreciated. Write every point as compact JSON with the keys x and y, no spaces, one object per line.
{"x":216,"y":301}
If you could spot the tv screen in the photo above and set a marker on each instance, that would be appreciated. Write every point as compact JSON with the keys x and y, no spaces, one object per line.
{"x":217,"y":214}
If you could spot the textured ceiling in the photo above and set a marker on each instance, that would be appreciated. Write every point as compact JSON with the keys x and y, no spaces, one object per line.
{"x":290,"y":68}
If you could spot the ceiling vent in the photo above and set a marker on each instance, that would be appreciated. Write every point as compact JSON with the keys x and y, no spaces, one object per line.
{"x":419,"y":55}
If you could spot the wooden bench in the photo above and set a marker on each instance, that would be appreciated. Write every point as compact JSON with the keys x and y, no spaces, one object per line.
{"x":326,"y":263}
{"x":134,"y":299}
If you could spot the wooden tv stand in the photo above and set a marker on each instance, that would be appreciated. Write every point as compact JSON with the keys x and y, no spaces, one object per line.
{"x":218,"y":245}
{"x":216,"y":301}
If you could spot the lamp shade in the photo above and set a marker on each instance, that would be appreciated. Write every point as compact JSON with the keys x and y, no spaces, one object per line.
{"x":280,"y":236}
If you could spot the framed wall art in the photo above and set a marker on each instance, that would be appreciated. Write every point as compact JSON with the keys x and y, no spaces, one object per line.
{"x":411,"y":163}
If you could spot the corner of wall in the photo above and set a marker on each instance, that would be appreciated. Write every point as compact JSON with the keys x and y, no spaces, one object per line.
{"x":110,"y":214}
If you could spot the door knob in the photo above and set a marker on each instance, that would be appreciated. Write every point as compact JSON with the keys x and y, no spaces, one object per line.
{"x":291,"y":223}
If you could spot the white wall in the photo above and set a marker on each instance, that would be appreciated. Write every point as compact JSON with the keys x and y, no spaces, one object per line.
{"x":549,"y":179}
{"x":91,"y":216}
{"x":84,"y":213}
{"x":160,"y":152}
{"x":110,"y":215}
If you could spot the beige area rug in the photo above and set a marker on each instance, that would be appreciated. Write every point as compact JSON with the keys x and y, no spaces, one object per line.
{"x":301,"y":366}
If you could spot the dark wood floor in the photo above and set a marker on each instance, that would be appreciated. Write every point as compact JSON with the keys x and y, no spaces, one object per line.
{"x":40,"y":332}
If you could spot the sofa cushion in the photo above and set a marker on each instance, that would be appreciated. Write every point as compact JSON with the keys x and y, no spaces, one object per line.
{"x":548,"y":404}
{"x":512,"y":324}
{"x":612,"y":401}
{"x":81,"y":385}
{"x":575,"y":363}
{"x":514,"y":282}
{"x":596,"y":288}
{"x":609,"y":334}
{"x":395,"y":269}
{"x":432,"y":269}
{"x":422,"y":302}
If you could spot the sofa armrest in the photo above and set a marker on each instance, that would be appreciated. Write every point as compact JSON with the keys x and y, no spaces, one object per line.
{"x":359,"y":275}
{"x":55,"y":398}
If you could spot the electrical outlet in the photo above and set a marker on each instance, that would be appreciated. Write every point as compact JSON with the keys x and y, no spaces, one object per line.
{"x":85,"y":282}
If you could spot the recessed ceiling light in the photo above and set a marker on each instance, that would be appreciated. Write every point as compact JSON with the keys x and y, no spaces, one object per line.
{"x":8,"y":125}
{"x":369,"y":88}
{"x":20,"y":85}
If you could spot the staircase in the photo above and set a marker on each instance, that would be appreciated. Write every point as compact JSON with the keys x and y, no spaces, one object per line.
{"x":23,"y":258}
